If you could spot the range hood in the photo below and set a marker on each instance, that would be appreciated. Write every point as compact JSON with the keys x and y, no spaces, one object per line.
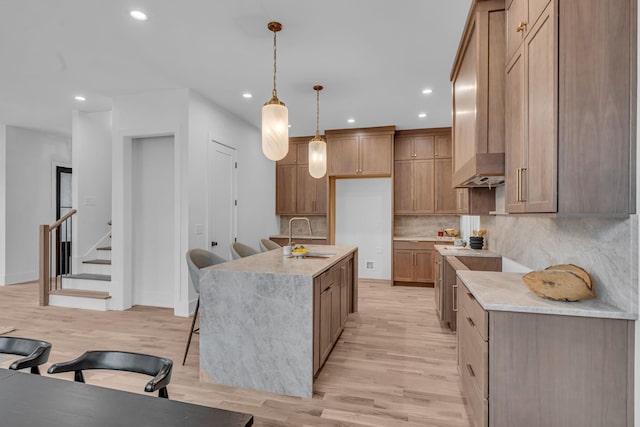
{"x":482,"y":170}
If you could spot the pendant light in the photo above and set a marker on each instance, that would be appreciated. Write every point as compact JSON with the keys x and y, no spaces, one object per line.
{"x":275,"y":117}
{"x":317,"y":146}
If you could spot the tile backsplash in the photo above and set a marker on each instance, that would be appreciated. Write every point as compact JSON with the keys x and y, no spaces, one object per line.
{"x":423,"y":225}
{"x":318,"y":226}
{"x":606,"y":248}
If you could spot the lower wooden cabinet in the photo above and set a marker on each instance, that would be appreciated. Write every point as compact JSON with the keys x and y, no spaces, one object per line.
{"x":529,"y":369}
{"x":413,"y":262}
{"x":333,"y":301}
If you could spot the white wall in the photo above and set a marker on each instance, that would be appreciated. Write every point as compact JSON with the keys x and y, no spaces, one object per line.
{"x":363,"y":219}
{"x":3,"y":205}
{"x":256,"y":174}
{"x":30,"y":162}
{"x":193,"y":121}
{"x":91,"y":164}
{"x":161,"y":113}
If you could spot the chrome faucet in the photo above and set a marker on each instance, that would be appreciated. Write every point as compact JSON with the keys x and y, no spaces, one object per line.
{"x":298,"y":218}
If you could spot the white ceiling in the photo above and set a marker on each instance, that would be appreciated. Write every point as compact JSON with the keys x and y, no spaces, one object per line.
{"x":373,"y":57}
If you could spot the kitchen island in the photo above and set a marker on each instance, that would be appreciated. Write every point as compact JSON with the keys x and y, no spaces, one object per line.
{"x":269,"y":322}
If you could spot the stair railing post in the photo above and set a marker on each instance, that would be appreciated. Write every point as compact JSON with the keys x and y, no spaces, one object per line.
{"x":44,"y":265}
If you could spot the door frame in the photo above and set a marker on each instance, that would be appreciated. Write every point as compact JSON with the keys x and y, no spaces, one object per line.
{"x":122,"y":216}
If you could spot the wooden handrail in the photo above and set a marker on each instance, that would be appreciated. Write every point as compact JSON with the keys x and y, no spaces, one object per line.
{"x":62,"y":219}
{"x":45,"y":231}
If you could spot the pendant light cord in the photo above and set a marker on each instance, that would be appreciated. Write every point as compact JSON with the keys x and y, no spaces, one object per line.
{"x":275,"y":92}
{"x":317,"y":112}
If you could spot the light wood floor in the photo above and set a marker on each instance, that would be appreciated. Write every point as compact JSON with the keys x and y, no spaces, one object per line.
{"x":393,"y":365}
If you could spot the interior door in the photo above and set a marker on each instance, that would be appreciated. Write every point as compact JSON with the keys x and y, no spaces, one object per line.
{"x":221,"y":203}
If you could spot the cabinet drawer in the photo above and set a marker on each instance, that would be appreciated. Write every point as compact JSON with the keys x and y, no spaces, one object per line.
{"x":414,"y":245}
{"x":475,"y":312}
{"x":326,"y":279}
{"x":478,"y":404}
{"x":474,"y":353}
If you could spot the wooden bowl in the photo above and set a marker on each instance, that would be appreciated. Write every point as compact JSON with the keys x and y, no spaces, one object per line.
{"x":452,"y":232}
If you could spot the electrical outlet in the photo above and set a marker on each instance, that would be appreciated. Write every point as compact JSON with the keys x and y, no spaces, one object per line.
{"x":199,"y":230}
{"x":370,"y":265}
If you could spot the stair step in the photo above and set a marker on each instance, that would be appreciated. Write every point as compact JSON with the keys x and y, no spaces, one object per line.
{"x":87,"y":276}
{"x":104,"y":248}
{"x":97,"y":261}
{"x":82,"y":293}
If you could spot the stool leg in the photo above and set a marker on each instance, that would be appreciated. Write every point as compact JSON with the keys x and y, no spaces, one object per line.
{"x":193,"y":324}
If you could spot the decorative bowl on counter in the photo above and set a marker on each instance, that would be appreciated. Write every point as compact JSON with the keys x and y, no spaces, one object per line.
{"x":452,"y":232}
{"x":299,"y":251}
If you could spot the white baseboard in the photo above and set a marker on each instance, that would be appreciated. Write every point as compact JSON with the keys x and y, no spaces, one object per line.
{"x":14,"y":279}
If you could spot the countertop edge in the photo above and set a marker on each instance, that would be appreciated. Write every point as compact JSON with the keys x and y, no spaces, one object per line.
{"x":447,"y":250}
{"x":298,"y":236}
{"x":610,"y":312}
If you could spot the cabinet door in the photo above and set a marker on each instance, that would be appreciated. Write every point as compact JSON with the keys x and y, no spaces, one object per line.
{"x":344,"y":292}
{"x":462,"y":200}
{"x":320,"y":194}
{"x":305,"y":187}
{"x":445,"y":194}
{"x":342,"y":156}
{"x":514,"y":132}
{"x":516,"y":15}
{"x":403,"y":187}
{"x":375,"y":155}
{"x":302,"y":153}
{"x":424,"y":266}
{"x":423,"y":147}
{"x":443,"y":147}
{"x":423,"y":186}
{"x":403,"y":265}
{"x":540,"y":177}
{"x":325,"y":323}
{"x":286,"y":177}
{"x":437,"y":281}
{"x":336,"y":324}
{"x":290,"y":158}
{"x":403,"y":148}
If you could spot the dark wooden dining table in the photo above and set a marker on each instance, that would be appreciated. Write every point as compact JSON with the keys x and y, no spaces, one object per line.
{"x":34,"y":400}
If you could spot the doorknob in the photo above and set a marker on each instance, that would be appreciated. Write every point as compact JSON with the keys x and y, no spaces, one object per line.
{"x":214,"y":244}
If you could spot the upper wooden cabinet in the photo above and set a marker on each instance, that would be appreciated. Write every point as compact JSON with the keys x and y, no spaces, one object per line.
{"x":297,"y":192}
{"x":422,"y":172}
{"x":360,"y":152}
{"x":478,"y":98}
{"x":570,"y":100}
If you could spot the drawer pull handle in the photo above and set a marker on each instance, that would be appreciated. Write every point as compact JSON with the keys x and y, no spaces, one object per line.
{"x":470,"y":320}
{"x":470,"y":369}
{"x":470,"y":295}
{"x":521,"y":27}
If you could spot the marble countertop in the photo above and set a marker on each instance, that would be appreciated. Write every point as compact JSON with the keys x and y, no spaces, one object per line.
{"x":274,"y":262}
{"x":496,"y":291}
{"x":447,"y":250}
{"x":423,"y":239}
{"x":298,"y":236}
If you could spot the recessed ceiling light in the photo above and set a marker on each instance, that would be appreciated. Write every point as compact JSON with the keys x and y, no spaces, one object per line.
{"x":427,"y":91}
{"x":422,"y":115}
{"x":351,"y":120}
{"x":247,"y":95}
{"x":137,"y":15}
{"x":80,"y":98}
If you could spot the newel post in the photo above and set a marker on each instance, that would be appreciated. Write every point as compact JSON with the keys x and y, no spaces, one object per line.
{"x":44,"y":281}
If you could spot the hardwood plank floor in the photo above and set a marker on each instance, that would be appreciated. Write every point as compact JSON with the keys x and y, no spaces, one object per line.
{"x":393,"y":365}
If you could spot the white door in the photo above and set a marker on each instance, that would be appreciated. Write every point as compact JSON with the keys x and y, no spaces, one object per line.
{"x":221,"y":206}
{"x":153,"y":221}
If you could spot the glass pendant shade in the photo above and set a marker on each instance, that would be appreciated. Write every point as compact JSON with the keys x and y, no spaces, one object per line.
{"x":317,"y":157}
{"x":275,"y":131}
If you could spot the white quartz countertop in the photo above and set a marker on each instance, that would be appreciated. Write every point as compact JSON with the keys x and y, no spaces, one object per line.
{"x":424,"y":239}
{"x":497,"y":291}
{"x":275,"y":263}
{"x":447,"y":250}
{"x":298,"y":236}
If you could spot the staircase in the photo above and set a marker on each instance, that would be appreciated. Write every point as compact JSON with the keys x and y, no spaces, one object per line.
{"x":89,"y":288}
